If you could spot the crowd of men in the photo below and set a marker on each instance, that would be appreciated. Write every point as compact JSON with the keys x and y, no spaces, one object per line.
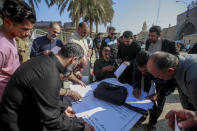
{"x":30,"y":92}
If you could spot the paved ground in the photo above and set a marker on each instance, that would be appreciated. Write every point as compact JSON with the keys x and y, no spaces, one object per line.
{"x":172,"y":102}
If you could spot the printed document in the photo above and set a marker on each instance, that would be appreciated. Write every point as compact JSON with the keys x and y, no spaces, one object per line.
{"x":120,"y":70}
{"x":55,"y":49}
{"x":176,"y":124}
{"x":105,"y":116}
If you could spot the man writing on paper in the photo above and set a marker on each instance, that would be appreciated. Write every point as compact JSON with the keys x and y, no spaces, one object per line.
{"x":46,"y":44}
{"x":105,"y":66}
{"x":31,"y":100}
{"x":142,"y":80}
{"x":79,"y":68}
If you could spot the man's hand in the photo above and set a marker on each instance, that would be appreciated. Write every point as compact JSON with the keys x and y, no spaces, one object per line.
{"x":88,"y":127}
{"x":119,"y":61}
{"x":127,"y":63}
{"x":46,"y":52}
{"x":81,"y":83}
{"x":75,"y":95}
{"x":153,"y":97}
{"x":69,"y":112}
{"x":137,"y":93}
{"x":185,"y":118}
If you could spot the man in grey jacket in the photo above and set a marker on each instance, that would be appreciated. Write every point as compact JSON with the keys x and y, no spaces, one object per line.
{"x":183,"y":68}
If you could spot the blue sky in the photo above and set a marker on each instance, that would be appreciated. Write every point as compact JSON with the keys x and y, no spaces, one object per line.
{"x":129,"y":14}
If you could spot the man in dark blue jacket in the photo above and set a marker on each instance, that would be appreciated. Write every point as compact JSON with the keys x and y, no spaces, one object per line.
{"x":46,"y":44}
{"x":110,"y":41}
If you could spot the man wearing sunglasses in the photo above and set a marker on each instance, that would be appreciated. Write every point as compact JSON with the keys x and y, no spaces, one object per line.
{"x":46,"y":44}
{"x":110,"y":41}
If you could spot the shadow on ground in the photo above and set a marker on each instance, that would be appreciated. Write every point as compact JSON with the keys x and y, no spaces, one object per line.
{"x":173,"y":98}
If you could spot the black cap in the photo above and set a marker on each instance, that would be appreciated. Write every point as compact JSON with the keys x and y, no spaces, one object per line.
{"x":127,"y":34}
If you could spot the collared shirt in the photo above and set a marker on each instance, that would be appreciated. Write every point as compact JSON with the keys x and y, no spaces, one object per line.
{"x":31,"y":99}
{"x":42,"y":43}
{"x":186,"y":77}
{"x":154,"y":47}
{"x":9,"y":60}
{"x":76,"y":38}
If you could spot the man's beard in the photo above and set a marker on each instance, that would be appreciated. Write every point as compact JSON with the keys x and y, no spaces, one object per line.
{"x":69,"y":69}
{"x":52,"y":37}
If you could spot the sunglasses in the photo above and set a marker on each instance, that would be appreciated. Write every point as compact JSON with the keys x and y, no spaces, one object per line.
{"x":113,"y":33}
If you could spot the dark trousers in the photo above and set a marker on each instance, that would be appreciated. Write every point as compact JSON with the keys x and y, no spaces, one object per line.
{"x":157,"y":110}
{"x":184,"y":101}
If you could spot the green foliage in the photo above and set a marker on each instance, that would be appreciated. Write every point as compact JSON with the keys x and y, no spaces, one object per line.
{"x":92,"y":11}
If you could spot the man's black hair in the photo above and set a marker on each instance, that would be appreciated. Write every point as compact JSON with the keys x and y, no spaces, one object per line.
{"x":71,"y":50}
{"x":18,"y":11}
{"x":52,"y":24}
{"x":142,"y":58}
{"x":111,"y":28}
{"x":156,"y":29}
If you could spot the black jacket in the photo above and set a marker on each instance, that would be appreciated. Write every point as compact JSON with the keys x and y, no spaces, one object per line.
{"x":128,"y":53}
{"x":99,"y":64}
{"x":193,"y":50}
{"x":163,"y":87}
{"x":167,"y":46}
{"x":31,"y":100}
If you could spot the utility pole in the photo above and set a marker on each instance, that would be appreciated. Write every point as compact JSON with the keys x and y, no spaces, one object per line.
{"x":187,"y":5}
{"x":158,"y":12}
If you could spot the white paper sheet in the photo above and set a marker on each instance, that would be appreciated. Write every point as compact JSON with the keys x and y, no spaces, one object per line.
{"x":120,"y":70}
{"x":104,"y":116}
{"x":55,"y":49}
{"x":176,"y":125}
{"x":143,"y":103}
{"x":83,"y":91}
{"x":152,"y":89}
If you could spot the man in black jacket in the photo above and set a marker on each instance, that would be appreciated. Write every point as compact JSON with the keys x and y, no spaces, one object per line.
{"x":155,"y":43}
{"x":127,"y":52}
{"x":142,"y":80}
{"x":31,"y":100}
